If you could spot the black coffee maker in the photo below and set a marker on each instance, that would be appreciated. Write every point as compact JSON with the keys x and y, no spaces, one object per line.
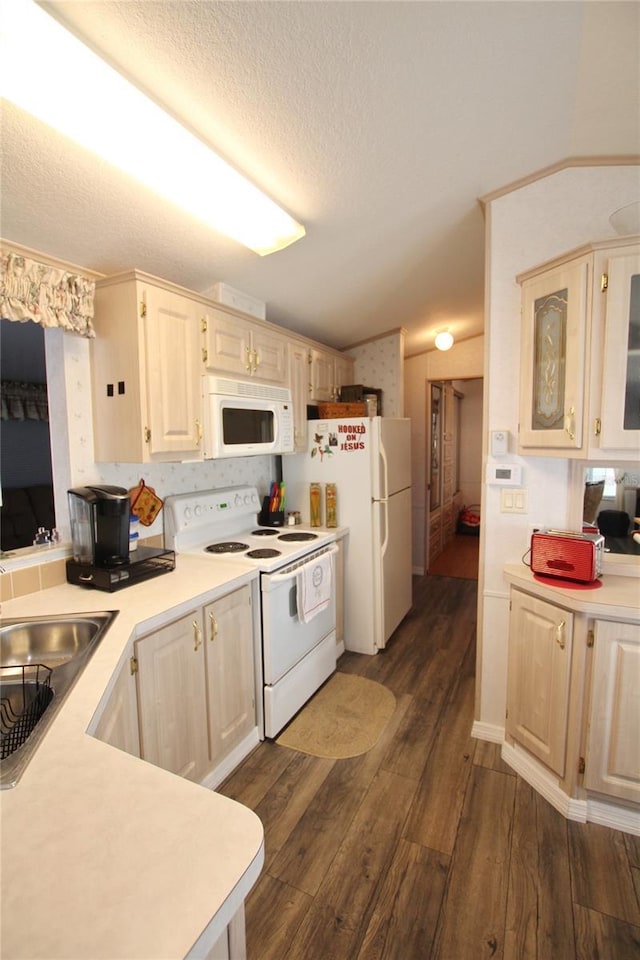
{"x":100,"y":525}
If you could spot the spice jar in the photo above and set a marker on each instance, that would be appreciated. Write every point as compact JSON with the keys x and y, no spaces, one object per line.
{"x":315,"y":504}
{"x":331,"y":505}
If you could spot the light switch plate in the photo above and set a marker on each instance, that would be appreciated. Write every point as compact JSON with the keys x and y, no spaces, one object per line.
{"x":513,"y":500}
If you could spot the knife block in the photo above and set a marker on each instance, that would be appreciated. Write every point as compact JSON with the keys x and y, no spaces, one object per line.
{"x":268,"y":519}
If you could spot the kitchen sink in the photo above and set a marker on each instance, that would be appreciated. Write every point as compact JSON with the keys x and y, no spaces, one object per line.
{"x":40,"y":660}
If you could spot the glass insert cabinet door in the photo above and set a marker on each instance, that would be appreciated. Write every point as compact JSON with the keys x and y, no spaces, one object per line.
{"x":553,"y":336}
{"x":620,"y":416}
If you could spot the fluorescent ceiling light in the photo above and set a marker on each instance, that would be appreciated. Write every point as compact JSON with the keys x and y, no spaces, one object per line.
{"x":444,"y":340}
{"x":48,"y":72}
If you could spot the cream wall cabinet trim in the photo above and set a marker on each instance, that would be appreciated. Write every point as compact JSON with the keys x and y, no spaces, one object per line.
{"x":539,"y":668}
{"x":613,"y":742}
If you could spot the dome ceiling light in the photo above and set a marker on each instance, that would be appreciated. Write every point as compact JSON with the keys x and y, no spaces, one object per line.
{"x":444,"y":340}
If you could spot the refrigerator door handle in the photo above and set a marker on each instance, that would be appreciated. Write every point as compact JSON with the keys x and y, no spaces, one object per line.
{"x":384,"y":518}
{"x":384,"y":478}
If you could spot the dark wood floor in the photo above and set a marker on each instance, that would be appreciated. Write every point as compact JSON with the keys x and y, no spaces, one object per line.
{"x":428,"y":846}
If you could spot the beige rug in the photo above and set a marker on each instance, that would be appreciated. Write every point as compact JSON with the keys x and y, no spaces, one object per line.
{"x":343,"y":719}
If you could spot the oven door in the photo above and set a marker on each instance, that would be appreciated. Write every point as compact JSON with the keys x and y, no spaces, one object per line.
{"x":286,"y":639}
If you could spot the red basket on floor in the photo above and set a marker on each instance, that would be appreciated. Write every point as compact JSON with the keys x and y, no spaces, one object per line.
{"x":469,"y":520}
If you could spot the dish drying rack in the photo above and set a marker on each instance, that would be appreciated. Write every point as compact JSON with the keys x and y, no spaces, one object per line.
{"x":25,"y":694}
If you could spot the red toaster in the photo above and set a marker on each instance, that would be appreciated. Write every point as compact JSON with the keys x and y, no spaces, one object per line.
{"x":571,"y":556}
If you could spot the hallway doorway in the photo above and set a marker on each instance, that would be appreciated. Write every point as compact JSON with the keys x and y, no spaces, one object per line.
{"x":453,"y":470}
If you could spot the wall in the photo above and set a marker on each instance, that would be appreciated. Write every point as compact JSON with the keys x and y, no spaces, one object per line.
{"x":464,"y":360}
{"x":470,"y":446}
{"x":379,"y":363}
{"x":526,"y":227}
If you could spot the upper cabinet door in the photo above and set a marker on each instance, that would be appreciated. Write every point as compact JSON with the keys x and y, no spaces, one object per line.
{"x":554,"y":326}
{"x":173,"y":382}
{"x":236,"y":345}
{"x":620,"y":416}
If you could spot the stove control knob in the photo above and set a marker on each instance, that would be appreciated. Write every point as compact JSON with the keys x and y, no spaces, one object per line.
{"x":237,"y":500}
{"x":187,"y":513}
{"x":247,"y":499}
{"x":197,"y":510}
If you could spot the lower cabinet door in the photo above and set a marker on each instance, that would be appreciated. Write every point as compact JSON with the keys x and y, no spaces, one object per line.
{"x":613,"y":740}
{"x":540,"y":639}
{"x":172,"y":697}
{"x":230,"y":670}
{"x":118,"y":724}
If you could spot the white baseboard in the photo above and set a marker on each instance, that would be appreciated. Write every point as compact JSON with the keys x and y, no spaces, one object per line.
{"x":544,"y":783}
{"x":226,"y":767}
{"x":487,"y":731}
{"x":609,"y":815}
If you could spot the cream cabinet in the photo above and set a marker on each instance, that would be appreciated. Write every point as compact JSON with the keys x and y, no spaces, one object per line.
{"x":118,"y":723}
{"x":145,"y":372}
{"x":580,"y":354}
{"x":298,"y":353}
{"x":172,"y":697}
{"x":613,"y":740}
{"x":196,"y":688}
{"x":539,"y":668}
{"x":228,"y":626}
{"x":314,"y":376}
{"x":234,"y":344}
{"x":327,"y":373}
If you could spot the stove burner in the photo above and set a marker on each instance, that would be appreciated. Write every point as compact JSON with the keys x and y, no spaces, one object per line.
{"x":301,"y":535}
{"x":227,"y":546}
{"x":264,"y":532}
{"x":263,"y":553}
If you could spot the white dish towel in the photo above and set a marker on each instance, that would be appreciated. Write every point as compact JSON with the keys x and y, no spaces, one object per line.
{"x":314,"y":587}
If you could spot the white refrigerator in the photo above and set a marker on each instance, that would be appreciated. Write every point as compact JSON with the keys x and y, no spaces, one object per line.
{"x":369,"y":460}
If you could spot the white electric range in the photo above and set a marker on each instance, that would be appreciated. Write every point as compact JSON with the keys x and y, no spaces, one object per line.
{"x":298,"y":652}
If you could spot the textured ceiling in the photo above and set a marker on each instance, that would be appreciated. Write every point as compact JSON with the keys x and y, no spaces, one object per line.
{"x":377,"y":125}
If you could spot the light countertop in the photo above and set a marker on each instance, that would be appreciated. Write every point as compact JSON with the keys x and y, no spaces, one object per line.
{"x":104,"y":855}
{"x":616,"y":598}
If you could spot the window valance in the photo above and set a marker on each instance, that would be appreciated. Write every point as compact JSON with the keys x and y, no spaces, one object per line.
{"x":48,"y":295}
{"x":23,"y":401}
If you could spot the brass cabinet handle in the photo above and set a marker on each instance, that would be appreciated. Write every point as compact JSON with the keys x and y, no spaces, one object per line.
{"x":247,"y":353}
{"x":197,"y":635}
{"x":570,"y":423}
{"x":214,"y":627}
{"x":560,"y":634}
{"x":198,"y":433}
{"x":256,"y":360}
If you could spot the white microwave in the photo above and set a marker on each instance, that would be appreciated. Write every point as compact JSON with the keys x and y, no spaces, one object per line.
{"x":245,"y":419}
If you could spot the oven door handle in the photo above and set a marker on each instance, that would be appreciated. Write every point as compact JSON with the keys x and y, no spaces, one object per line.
{"x":282,"y":577}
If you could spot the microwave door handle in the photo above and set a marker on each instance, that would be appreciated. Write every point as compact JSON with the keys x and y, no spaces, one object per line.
{"x":282,"y":577}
